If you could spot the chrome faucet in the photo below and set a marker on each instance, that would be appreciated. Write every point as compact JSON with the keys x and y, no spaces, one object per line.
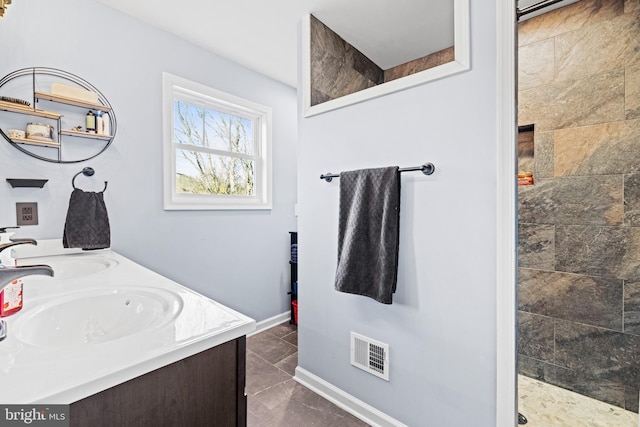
{"x":15,"y":242}
{"x":9,"y":274}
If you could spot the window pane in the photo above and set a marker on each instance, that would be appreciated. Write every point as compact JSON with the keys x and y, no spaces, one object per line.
{"x":188,"y":122}
{"x":205,"y":173}
{"x":228,"y":132}
{"x":210,"y":128}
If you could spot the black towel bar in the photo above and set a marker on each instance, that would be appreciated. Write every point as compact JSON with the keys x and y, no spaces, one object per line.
{"x":427,"y":169}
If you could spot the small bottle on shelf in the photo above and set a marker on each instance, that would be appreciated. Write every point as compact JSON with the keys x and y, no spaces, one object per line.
{"x":90,"y":122}
{"x":99,"y":122}
{"x":106,"y":124}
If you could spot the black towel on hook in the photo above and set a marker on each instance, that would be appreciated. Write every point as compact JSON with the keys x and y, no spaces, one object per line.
{"x":368,"y":233}
{"x":87,"y":223}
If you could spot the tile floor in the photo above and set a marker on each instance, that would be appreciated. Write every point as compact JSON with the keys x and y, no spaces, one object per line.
{"x":546,"y":405}
{"x":274,"y":398}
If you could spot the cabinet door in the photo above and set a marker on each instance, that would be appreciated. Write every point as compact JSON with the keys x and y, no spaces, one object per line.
{"x":204,"y":390}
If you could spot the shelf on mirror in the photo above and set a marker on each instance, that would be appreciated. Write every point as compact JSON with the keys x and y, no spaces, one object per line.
{"x":23,"y":109}
{"x":85,"y":134}
{"x":28,"y":141}
{"x":71,"y":101}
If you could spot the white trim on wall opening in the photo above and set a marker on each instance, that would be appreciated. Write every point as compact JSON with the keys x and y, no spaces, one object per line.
{"x":459,"y":64}
{"x":506,"y":389}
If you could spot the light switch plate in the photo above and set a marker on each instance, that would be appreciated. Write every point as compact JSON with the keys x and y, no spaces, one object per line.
{"x":27,"y":213}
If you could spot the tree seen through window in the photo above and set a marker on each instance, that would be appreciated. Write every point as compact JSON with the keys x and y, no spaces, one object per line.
{"x":215,"y":152}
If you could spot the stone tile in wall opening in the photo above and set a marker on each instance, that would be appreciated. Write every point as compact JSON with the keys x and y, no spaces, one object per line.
{"x":269,"y":347}
{"x":632,"y":199}
{"x":579,"y":298}
{"x":632,"y":91}
{"x":615,"y":40}
{"x":574,"y":380}
{"x":631,"y":399}
{"x":533,"y":294}
{"x":631,"y":6}
{"x":569,"y":18}
{"x":612,"y":252}
{"x":536,"y":336}
{"x":589,"y":385}
{"x":535,"y":202}
{"x":632,"y":308}
{"x":617,"y":358}
{"x":535,"y":64}
{"x":600,"y":149}
{"x":261,"y":374}
{"x":572,"y":103}
{"x":543,"y":154}
{"x":534,"y":368}
{"x":596,"y":200}
{"x":536,"y":246}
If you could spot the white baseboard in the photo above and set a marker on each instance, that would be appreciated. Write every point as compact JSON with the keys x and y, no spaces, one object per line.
{"x":271,"y":322}
{"x":344,"y":400}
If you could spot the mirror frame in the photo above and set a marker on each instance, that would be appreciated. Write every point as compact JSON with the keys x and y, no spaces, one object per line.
{"x":460,"y":64}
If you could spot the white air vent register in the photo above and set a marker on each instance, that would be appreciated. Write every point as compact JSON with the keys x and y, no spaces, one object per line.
{"x":370,"y":355}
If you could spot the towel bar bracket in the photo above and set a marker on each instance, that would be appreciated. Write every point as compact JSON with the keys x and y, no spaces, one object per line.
{"x":88,"y":171}
{"x":427,"y":169}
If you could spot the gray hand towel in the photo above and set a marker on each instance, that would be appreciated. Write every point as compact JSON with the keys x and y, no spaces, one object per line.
{"x":368,"y":233}
{"x":87,"y":223}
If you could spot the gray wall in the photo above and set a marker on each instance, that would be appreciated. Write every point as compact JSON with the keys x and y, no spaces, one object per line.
{"x":237,"y":258}
{"x":579,"y":258}
{"x":441,"y":327}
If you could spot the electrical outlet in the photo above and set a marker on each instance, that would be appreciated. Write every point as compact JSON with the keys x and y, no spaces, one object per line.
{"x":27,"y":213}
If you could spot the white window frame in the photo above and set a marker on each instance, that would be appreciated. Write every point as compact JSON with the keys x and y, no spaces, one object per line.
{"x":175,"y":87}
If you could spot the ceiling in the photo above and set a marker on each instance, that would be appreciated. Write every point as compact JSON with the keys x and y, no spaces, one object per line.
{"x":263,"y":35}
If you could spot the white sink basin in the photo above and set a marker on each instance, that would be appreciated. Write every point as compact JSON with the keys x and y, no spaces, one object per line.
{"x":72,"y":266}
{"x":97,"y":316}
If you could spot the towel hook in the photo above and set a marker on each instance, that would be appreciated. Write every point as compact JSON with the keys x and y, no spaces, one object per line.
{"x":88,"y":171}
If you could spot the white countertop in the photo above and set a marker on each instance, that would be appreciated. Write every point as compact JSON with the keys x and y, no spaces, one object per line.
{"x":48,"y":374}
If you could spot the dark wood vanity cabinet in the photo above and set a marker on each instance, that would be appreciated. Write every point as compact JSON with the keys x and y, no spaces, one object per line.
{"x":203,"y":390}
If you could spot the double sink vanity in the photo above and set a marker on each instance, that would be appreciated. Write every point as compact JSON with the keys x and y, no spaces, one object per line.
{"x":122,"y":345}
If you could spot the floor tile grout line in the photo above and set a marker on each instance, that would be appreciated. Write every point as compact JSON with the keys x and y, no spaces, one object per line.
{"x":271,"y":386}
{"x":271,"y":363}
{"x":287,"y":343}
{"x":274,"y":364}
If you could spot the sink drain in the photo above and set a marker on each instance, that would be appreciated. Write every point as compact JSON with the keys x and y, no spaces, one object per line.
{"x":522,"y":419}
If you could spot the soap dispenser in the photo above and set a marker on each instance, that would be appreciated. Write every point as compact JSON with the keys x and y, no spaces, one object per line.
{"x":11,"y":294}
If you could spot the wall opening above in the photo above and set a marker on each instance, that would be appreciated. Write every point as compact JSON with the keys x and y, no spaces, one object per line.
{"x":341,"y":68}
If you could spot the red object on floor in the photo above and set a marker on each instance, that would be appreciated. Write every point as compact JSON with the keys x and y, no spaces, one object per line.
{"x":294,"y":303}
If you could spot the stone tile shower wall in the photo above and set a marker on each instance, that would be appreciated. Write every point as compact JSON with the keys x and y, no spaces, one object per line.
{"x":579,"y":224}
